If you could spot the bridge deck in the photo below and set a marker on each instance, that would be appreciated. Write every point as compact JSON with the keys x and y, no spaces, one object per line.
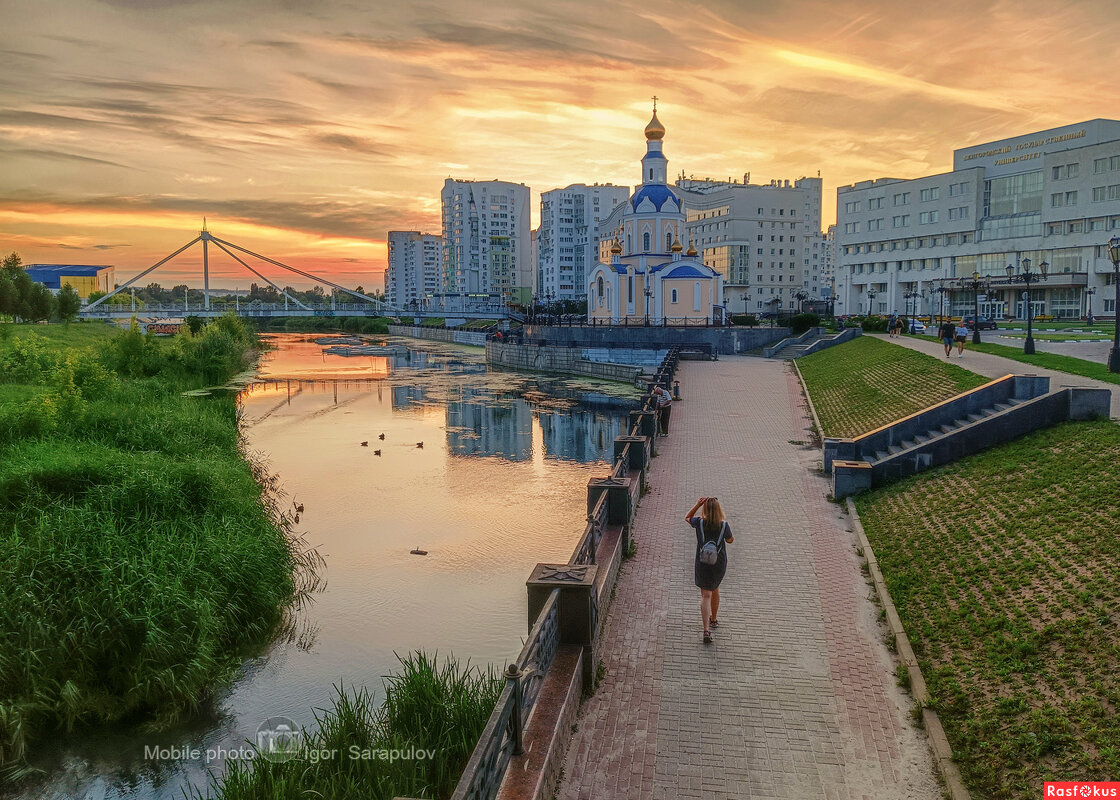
{"x":796,"y":698}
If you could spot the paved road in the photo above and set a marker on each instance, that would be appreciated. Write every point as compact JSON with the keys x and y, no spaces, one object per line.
{"x":997,"y":366}
{"x":796,"y":698}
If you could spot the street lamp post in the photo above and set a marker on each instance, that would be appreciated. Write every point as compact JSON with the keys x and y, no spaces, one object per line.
{"x":942,"y":290}
{"x":912,"y":295}
{"x":1114,"y":256}
{"x":801,"y":296}
{"x":1092,"y":290}
{"x":1027,"y":277}
{"x":871,"y":301}
{"x":975,"y":284}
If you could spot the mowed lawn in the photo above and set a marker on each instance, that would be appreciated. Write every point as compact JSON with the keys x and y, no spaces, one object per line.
{"x":865,"y":383}
{"x":1005,"y":568}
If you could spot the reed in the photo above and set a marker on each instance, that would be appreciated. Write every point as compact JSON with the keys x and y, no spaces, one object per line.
{"x":428,"y":708}
{"x":142,"y":552}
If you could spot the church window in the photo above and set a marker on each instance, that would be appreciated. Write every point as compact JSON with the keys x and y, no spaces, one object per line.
{"x":629,"y":244}
{"x":600,"y":282}
{"x":651,"y":173}
{"x":696,"y":296}
{"x":629,"y":288}
{"x":673,"y":296}
{"x":668,"y":241}
{"x":645,"y":242}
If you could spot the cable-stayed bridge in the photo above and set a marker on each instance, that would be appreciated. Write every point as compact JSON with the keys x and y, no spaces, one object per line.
{"x":458,"y":306}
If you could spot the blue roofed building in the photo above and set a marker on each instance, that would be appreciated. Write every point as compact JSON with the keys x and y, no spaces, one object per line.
{"x":647,"y":278}
{"x":85,"y":278}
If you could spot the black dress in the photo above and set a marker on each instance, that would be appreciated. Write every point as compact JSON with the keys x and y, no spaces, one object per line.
{"x":708,"y":576}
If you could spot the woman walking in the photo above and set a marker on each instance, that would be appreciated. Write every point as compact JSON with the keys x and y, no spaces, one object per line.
{"x":712,"y":535}
{"x":961,"y":337}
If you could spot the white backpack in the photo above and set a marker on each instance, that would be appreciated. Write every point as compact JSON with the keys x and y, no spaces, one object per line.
{"x":709,"y":552}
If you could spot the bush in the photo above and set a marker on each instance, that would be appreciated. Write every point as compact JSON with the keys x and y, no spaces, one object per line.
{"x":874,"y":323}
{"x":803,"y":322}
{"x":744,"y":319}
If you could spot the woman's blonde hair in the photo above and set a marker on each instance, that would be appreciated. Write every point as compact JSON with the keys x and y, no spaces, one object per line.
{"x":713,"y":511}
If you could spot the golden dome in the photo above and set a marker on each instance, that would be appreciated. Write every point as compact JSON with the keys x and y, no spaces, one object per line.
{"x":616,"y":247}
{"x":655,"y":130}
{"x":691,"y":251}
{"x":676,"y":248}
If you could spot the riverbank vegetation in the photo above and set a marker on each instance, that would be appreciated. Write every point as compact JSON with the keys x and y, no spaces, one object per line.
{"x":862,"y":384}
{"x":433,"y":714}
{"x":140,"y":557}
{"x":1002,"y":566}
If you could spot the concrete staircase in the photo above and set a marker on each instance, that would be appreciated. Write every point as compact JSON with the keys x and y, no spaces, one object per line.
{"x":997,"y":412}
{"x":811,"y":341}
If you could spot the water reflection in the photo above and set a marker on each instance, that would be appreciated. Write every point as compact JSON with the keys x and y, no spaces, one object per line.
{"x":498,"y":486}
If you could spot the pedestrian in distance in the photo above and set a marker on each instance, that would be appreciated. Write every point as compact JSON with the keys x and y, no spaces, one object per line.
{"x":892,"y":325}
{"x":712,"y":536}
{"x":946,"y":333}
{"x":961,"y":337}
{"x":664,"y":409}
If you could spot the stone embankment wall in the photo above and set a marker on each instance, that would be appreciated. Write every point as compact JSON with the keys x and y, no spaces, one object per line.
{"x":476,"y":338}
{"x":722,"y":340}
{"x":556,"y":359}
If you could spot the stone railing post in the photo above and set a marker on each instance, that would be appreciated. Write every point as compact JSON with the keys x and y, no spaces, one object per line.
{"x":577,"y":606}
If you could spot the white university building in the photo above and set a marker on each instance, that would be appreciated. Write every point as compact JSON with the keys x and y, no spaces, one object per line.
{"x":1050,"y":196}
{"x":486,"y":237}
{"x":415,"y":270}
{"x":568,"y":236}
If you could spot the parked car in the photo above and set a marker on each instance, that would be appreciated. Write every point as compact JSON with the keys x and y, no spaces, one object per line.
{"x":983,"y":323}
{"x":916,"y":326}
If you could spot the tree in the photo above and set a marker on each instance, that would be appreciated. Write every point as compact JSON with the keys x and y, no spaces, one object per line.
{"x":68,"y":303}
{"x":9,"y":295}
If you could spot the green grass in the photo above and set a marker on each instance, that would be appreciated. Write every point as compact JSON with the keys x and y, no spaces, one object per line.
{"x":1061,"y":337}
{"x":1004,"y":569}
{"x":438,"y":709}
{"x":62,"y":337}
{"x":1055,"y":361}
{"x":140,"y":558}
{"x":862,"y":384}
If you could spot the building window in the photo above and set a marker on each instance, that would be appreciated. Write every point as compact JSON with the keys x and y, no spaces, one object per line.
{"x":673,"y":296}
{"x":874,"y":203}
{"x":600,"y":287}
{"x":902,"y":198}
{"x":1063,"y":199}
{"x":668,"y":241}
{"x":629,"y":288}
{"x":927,"y":218}
{"x":930,"y":194}
{"x":645,"y":242}
{"x":1065,"y":171}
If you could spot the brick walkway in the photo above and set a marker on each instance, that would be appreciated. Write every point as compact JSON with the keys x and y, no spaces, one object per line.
{"x":796,"y":698}
{"x":994,"y":366}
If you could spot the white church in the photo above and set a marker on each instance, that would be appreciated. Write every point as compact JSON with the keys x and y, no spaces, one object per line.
{"x":648,"y":279}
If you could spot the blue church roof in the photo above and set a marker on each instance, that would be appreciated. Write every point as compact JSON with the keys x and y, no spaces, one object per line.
{"x":688,"y":271}
{"x":656,"y":193}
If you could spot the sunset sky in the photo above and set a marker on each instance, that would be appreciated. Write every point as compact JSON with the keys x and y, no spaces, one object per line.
{"x":307,"y":130}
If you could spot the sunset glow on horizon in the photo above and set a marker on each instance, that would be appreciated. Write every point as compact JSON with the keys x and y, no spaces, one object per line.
{"x":307,"y":133}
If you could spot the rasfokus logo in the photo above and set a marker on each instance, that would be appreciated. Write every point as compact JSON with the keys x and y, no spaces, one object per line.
{"x":1082,"y":789}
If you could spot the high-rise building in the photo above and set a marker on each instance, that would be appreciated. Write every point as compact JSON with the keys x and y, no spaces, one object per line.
{"x":486,"y":237}
{"x":415,"y":270}
{"x":568,"y":237}
{"x":760,"y":237}
{"x":1050,"y":196}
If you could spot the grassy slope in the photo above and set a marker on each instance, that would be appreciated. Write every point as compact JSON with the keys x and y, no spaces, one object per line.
{"x":1056,"y":361}
{"x":865,"y":383}
{"x":1003,"y":569}
{"x":138,"y":556}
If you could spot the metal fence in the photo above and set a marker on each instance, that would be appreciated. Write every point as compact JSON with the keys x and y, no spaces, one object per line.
{"x":502,"y":737}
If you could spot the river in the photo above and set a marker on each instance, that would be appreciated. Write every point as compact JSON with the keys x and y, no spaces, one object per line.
{"x":497,"y":486}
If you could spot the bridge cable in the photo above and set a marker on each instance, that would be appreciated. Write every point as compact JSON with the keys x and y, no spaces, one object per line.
{"x":262,"y":277}
{"x":316,"y":278}
{"x":126,"y":284}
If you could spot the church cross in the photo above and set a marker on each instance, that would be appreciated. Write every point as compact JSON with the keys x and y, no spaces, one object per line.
{"x":655,"y":102}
